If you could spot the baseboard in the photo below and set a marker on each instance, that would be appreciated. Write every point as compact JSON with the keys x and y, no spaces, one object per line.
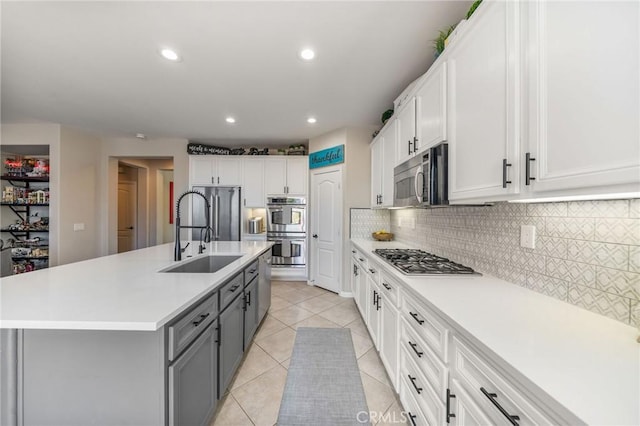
{"x":346,"y":294}
{"x":289,"y":274}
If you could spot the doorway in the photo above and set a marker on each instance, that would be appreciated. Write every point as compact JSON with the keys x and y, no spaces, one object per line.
{"x":326,"y":228}
{"x":127,"y":216}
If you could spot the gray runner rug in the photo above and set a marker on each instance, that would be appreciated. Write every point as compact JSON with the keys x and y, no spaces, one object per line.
{"x":323,"y":381}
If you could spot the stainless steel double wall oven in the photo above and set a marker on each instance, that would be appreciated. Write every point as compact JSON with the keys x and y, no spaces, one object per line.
{"x":287,"y":227}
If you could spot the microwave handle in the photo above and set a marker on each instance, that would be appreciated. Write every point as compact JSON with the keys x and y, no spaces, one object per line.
{"x":415,"y":184}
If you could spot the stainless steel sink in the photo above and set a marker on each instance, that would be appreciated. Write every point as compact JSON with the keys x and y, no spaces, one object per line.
{"x":204,"y":265}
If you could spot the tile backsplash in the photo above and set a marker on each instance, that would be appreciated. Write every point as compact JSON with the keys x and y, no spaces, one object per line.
{"x":587,"y":252}
{"x":364,"y":222}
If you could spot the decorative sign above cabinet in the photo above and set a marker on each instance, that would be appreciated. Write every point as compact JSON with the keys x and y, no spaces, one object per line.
{"x":326,"y":157}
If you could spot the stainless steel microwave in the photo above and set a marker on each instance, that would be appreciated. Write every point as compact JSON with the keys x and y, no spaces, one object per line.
{"x":422,"y":180}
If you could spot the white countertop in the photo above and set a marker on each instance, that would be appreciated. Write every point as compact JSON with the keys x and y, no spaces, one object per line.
{"x":118,"y":292}
{"x":588,"y":363}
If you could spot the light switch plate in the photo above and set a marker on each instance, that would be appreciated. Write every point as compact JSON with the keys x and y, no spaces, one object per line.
{"x":528,"y":236}
{"x":78,"y":226}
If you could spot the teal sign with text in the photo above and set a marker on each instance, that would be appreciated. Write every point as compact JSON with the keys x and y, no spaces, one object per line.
{"x":326,"y":157}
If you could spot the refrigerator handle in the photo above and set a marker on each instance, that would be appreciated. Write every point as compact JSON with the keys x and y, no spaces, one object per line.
{"x":216,"y":216}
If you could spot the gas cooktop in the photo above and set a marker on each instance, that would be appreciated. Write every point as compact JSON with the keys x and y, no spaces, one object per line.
{"x":418,"y":262}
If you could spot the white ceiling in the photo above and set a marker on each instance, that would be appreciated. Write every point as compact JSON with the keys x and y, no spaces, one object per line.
{"x":95,"y":65}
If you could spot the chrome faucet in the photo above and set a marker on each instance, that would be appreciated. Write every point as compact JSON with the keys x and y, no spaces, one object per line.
{"x":178,"y":249}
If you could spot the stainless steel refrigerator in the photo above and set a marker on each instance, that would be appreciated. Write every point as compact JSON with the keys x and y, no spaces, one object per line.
{"x":224,"y":212}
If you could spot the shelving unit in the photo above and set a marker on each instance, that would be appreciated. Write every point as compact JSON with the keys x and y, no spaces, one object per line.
{"x":30,"y":249}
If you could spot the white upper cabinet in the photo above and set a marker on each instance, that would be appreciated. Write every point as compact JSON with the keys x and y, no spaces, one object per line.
{"x":383,"y":156}
{"x":431,"y":109}
{"x":253,"y":182}
{"x":483,"y":108}
{"x":406,"y":123}
{"x":286,"y":175}
{"x":212,"y":170}
{"x":297,"y":175}
{"x":583,"y":96}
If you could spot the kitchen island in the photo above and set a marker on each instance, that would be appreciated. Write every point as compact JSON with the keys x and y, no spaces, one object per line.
{"x":546,"y":361}
{"x":116,"y":340}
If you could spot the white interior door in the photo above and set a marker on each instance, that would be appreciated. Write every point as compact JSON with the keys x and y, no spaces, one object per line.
{"x":326,"y":228}
{"x":127,"y":213}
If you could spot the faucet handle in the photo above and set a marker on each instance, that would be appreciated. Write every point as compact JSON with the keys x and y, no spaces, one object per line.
{"x":182,"y":249}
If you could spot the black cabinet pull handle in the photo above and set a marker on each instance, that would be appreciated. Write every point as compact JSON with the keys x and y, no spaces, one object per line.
{"x":493,"y":398}
{"x":415,"y":317}
{"x":373,"y":271}
{"x":378,"y":302}
{"x":252,"y":271}
{"x":449,"y":413}
{"x":412,"y":417}
{"x":374,"y":297}
{"x":353,"y":251}
{"x":527,"y":167}
{"x":413,"y":382}
{"x":361,"y":259}
{"x":504,"y":172}
{"x":249,"y":299}
{"x":315,"y":235}
{"x":415,"y":144}
{"x":234,"y":288}
{"x":202,"y":318}
{"x":414,"y":346}
{"x":387,"y":286}
{"x":410,"y":150}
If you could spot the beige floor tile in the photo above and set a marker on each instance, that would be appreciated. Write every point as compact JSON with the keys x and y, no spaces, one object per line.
{"x":361,"y":344}
{"x":379,"y":396}
{"x":279,"y":291}
{"x":279,"y":345}
{"x":230,"y":413}
{"x":395,"y":415}
{"x":315,"y":321}
{"x":317,"y":304}
{"x":256,"y":362}
{"x":371,"y":364}
{"x":314,"y":291}
{"x":278,"y":303}
{"x":358,"y":326}
{"x":296,"y":295}
{"x":337,"y":300}
{"x":260,"y":398}
{"x":342,"y":314}
{"x":291,"y":314}
{"x":269,"y":326}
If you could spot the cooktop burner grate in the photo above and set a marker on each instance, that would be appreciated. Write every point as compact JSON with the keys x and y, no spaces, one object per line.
{"x":418,"y":262}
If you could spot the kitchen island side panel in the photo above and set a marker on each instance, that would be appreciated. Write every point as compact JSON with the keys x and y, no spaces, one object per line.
{"x":112,"y":377}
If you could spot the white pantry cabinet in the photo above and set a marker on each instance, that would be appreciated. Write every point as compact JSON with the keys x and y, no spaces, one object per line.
{"x":483,"y":109}
{"x":583,"y":96}
{"x":383,"y":154}
{"x":406,"y":122}
{"x":215,"y":170}
{"x":286,"y":175}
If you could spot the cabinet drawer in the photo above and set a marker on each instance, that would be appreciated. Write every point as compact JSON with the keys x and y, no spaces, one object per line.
{"x":184,"y":330}
{"x":359,"y":257}
{"x":250,"y":272}
{"x":431,"y":406}
{"x":431,"y":330}
{"x":390,"y":288}
{"x":230,"y":290}
{"x":490,"y":390}
{"x":372,"y":270}
{"x":414,"y":415}
{"x":434,"y":370}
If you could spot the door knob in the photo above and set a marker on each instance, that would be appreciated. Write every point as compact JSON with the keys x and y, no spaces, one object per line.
{"x":131,"y":227}
{"x":315,"y":235}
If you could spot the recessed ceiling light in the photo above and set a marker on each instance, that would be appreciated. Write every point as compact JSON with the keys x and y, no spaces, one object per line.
{"x":170,"y":54}
{"x":230,"y":120}
{"x":311,"y":120}
{"x":307,"y":54}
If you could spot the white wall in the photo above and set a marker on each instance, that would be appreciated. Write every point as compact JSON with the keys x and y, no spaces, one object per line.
{"x":356,"y":179}
{"x":78,"y":198}
{"x":114,"y":148}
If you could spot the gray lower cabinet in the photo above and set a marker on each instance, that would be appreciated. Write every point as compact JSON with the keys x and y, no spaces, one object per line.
{"x":193,"y":379}
{"x":251,"y":305}
{"x":231,"y":342}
